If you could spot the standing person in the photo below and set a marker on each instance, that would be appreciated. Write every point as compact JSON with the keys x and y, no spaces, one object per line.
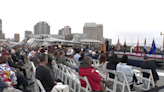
{"x":107,"y":44}
{"x":43,"y":74}
{"x":112,"y":49}
{"x":149,"y":65}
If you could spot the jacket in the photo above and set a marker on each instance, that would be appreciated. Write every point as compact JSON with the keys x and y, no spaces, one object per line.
{"x":63,"y":60}
{"x":2,"y":85}
{"x":12,"y":64}
{"x":150,"y":65}
{"x":14,"y":57}
{"x":7,"y":75}
{"x":124,"y":68}
{"x":93,"y":77}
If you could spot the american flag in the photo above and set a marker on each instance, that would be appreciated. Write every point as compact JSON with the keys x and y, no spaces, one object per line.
{"x":118,"y":45}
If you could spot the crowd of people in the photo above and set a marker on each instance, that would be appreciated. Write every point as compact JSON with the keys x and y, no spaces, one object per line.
{"x":13,"y":58}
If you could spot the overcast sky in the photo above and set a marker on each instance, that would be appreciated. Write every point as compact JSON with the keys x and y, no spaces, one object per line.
{"x":130,"y":19}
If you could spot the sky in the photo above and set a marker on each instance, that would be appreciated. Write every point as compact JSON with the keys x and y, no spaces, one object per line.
{"x":123,"y":19}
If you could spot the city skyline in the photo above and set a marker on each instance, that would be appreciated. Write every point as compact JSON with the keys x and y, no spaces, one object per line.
{"x":124,"y":19}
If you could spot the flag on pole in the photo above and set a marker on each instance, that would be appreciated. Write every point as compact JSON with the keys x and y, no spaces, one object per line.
{"x":153,"y":48}
{"x":118,"y":45}
{"x":145,"y":46}
{"x":137,"y":48}
{"x":131,"y":46}
{"x":125,"y":44}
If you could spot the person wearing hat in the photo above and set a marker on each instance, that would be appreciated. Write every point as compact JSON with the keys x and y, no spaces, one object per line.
{"x":149,"y":65}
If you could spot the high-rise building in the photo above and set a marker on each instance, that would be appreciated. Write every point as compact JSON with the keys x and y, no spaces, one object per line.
{"x":16,"y":37}
{"x":1,"y":33}
{"x":65,"y":31}
{"x":60,"y":32}
{"x":42,"y":28}
{"x":27,"y":33}
{"x":94,"y":31}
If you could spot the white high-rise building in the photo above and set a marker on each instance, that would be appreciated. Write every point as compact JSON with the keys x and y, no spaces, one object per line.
{"x":27,"y":33}
{"x":42,"y":28}
{"x":65,"y":31}
{"x":93,"y":31}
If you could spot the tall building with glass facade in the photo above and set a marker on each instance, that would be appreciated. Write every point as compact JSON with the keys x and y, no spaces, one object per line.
{"x":42,"y":28}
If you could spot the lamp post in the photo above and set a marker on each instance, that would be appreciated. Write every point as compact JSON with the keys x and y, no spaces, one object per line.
{"x":163,"y":42}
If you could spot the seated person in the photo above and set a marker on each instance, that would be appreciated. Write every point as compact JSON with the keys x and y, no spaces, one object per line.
{"x":85,"y":69}
{"x":149,"y":65}
{"x":50,"y":67}
{"x":112,"y":64}
{"x":34,"y":58}
{"x":124,"y":68}
{"x":76,"y":57}
{"x":7,"y":87}
{"x":13,"y":76}
{"x":43,"y":74}
{"x":62,"y":60}
{"x":94,"y":56}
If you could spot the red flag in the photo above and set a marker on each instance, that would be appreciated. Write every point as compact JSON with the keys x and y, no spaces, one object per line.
{"x":2,"y":44}
{"x":137,"y":48}
{"x":118,"y":45}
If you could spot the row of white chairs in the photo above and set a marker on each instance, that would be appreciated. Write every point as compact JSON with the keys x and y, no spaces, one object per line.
{"x":71,"y":78}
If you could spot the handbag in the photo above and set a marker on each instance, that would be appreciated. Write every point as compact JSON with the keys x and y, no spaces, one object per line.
{"x":60,"y":88}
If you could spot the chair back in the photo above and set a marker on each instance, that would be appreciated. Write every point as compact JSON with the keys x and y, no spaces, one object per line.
{"x":147,"y":81}
{"x":88,"y":86}
{"x":119,"y":77}
{"x":40,"y":85}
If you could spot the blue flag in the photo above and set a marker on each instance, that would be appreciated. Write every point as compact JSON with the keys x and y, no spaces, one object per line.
{"x":153,"y":48}
{"x":145,"y":46}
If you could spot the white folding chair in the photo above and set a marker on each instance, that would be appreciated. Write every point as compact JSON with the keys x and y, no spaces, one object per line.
{"x":113,"y":87}
{"x":122,"y":84}
{"x":40,"y":85}
{"x":61,"y":72}
{"x":74,"y":80}
{"x":34,"y":71}
{"x":70,"y":79}
{"x":64,"y":70}
{"x":56,"y":71}
{"x":88,"y":86}
{"x":147,"y":81}
{"x":33,"y":77}
{"x":138,"y":74}
{"x":95,"y":62}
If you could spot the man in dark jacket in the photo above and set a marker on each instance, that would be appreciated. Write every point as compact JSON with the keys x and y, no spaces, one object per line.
{"x":43,"y":74}
{"x":85,"y":69}
{"x":149,"y":65}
